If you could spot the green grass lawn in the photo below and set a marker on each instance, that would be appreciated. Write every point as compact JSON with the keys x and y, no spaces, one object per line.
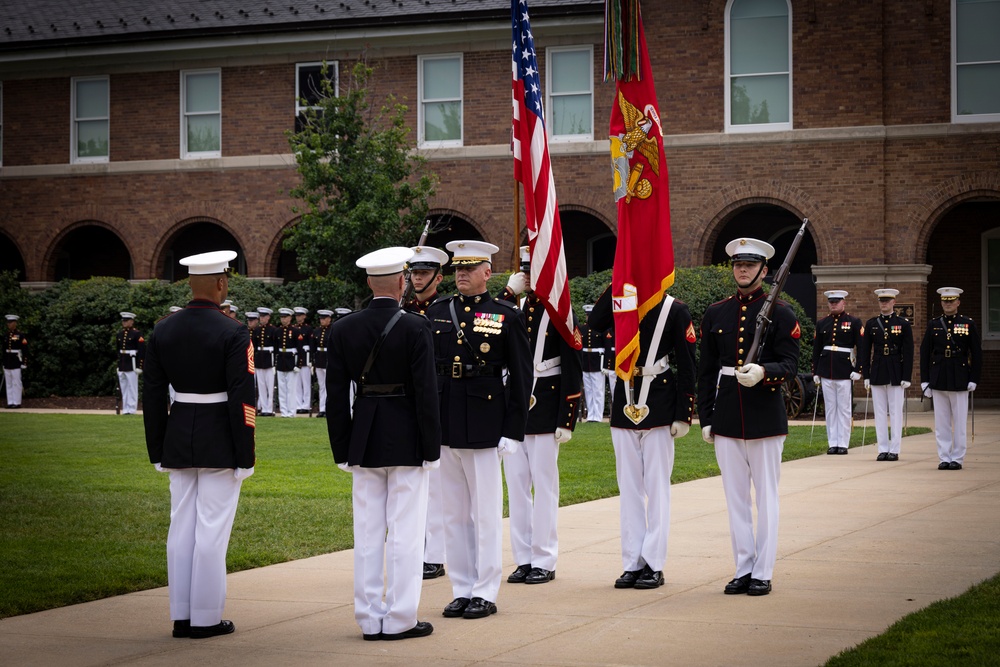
{"x":85,"y":516}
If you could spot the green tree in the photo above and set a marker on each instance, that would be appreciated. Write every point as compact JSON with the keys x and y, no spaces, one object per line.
{"x":361,"y":188}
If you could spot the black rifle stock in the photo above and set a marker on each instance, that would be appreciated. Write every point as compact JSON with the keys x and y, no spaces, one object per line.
{"x":764,"y":316}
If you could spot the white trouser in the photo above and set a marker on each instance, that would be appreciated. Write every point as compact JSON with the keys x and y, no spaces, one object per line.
{"x":265,"y":389}
{"x":390,"y":507}
{"x":304,"y":389}
{"x":202,"y":507}
{"x":756,"y":462}
{"x":287,"y":386}
{"x":951,"y":410}
{"x":612,"y":378}
{"x":12,"y":380}
{"x":887,"y":402}
{"x":593,"y":387}
{"x":644,"y":460}
{"x":534,"y":538}
{"x":434,"y":551}
{"x":321,"y":383}
{"x":129,"y":383}
{"x":837,"y":400}
{"x":473,"y":510}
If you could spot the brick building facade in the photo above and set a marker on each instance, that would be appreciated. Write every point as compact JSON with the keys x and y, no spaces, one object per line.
{"x":902,"y":190}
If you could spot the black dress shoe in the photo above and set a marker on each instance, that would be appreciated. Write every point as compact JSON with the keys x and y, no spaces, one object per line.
{"x":882,"y":456}
{"x":649,"y":579}
{"x":954,"y":465}
{"x":944,"y":465}
{"x":421,"y":629}
{"x":479,"y":608}
{"x":433,"y":570}
{"x":841,"y":450}
{"x":519,"y":575}
{"x":893,"y":457}
{"x":372,"y":638}
{"x":321,"y":415}
{"x":182,"y":628}
{"x":832,"y":450}
{"x":759,"y":587}
{"x":456,"y":607}
{"x":221,"y":628}
{"x":628,"y":579}
{"x":738,"y":586}
{"x":540,"y":576}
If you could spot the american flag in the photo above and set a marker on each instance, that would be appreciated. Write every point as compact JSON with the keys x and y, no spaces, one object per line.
{"x":532,"y":169}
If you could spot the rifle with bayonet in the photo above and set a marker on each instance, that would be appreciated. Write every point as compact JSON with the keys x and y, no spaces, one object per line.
{"x":764,"y":316}
{"x":408,"y":290}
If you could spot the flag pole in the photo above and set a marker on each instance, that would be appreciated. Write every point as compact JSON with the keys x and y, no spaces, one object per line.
{"x":516,"y":257}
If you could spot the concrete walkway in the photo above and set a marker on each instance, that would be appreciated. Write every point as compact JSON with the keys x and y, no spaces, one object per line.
{"x":862,"y":544}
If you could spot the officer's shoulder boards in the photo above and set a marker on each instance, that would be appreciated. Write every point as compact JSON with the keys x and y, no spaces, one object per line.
{"x":415,"y":314}
{"x":506,"y":304}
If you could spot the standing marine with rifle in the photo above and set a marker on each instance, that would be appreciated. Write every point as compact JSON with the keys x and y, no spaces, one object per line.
{"x":749,"y":347}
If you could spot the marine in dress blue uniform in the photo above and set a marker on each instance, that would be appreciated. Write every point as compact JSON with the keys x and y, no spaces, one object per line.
{"x":131,"y":348}
{"x":287,"y":340}
{"x":951,"y":360}
{"x":886,"y":363}
{"x":425,"y":275}
{"x":388,"y":439}
{"x":321,"y":343}
{"x":834,"y":365}
{"x":15,"y":359}
{"x":205,"y":442}
{"x":531,"y":467}
{"x":743,"y":413}
{"x":263,"y":345}
{"x":648,"y":412}
{"x":303,"y":389}
{"x":477,"y":339}
{"x":592,"y":364}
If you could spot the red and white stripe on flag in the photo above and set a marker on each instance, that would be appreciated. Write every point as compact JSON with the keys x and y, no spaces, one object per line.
{"x":532,"y":169}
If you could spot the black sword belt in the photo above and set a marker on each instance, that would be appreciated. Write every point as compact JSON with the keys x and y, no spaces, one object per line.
{"x":458,"y":370}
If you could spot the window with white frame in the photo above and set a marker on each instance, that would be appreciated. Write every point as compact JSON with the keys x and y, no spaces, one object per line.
{"x":439,"y":87}
{"x":569,"y":84}
{"x":309,"y":87}
{"x":975,"y":75}
{"x":758,"y":66}
{"x":201,"y":114}
{"x":991,"y":284}
{"x":90,"y":131}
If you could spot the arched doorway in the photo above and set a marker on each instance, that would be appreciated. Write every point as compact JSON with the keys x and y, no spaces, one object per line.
{"x":964,"y":251}
{"x":89,"y":250}
{"x":197,"y":237}
{"x":778,"y":227}
{"x":588,"y":243}
{"x":11,"y":259}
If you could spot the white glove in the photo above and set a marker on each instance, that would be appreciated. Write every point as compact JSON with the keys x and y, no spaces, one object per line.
{"x":815,"y":379}
{"x":904,"y":384}
{"x":138,"y":371}
{"x":972,"y":386}
{"x":868,"y":384}
{"x":706,"y":434}
{"x":24,"y":367}
{"x":855,"y":376}
{"x":507,"y":446}
{"x":431,"y":465}
{"x":679,"y":429}
{"x":518,"y":282}
{"x":925,"y":387}
{"x":750,"y":375}
{"x":242,"y":473}
{"x":563,"y":435}
{"x":295,"y":370}
{"x":345,"y":467}
{"x":159,"y":468}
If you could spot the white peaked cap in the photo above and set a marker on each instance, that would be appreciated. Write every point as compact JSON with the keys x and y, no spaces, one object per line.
{"x":208,"y":263}
{"x":385,"y":261}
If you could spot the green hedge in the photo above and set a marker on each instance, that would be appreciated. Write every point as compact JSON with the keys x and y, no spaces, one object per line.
{"x":71,"y":326}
